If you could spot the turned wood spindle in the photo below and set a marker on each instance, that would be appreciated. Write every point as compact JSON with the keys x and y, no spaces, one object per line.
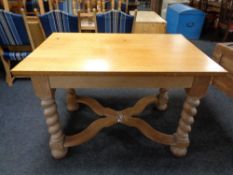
{"x":74,"y":5}
{"x":103,"y":5}
{"x":113,"y":4}
{"x":88,"y":6}
{"x":119,"y":5}
{"x":162,"y":99}
{"x":79,"y":5}
{"x":54,"y":128}
{"x":98,"y":6}
{"x":184,"y":127}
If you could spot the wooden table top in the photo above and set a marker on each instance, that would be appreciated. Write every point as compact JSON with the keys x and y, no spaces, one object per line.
{"x":148,"y":16}
{"x":131,"y":54}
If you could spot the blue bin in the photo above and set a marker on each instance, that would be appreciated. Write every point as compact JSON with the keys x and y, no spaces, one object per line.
{"x":185,"y":20}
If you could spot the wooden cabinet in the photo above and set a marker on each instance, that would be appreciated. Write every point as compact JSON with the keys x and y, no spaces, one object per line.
{"x":149,"y":22}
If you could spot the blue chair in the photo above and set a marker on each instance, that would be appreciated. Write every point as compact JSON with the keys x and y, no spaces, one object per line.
{"x":58,"y":21}
{"x":15,"y":40}
{"x":115,"y":21}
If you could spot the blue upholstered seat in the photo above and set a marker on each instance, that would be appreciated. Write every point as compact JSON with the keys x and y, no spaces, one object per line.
{"x":13,"y":33}
{"x":15,"y":56}
{"x":114,"y":21}
{"x":58,"y":21}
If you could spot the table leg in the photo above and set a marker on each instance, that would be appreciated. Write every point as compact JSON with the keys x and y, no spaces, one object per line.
{"x":194,"y":94}
{"x":71,"y":100}
{"x":54,"y":128}
{"x":43,"y":90}
{"x":184,"y":127}
{"x":162,"y":99}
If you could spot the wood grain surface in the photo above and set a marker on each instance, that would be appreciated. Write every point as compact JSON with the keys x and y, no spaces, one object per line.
{"x":125,"y":54}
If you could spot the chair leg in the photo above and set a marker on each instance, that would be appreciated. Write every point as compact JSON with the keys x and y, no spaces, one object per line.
{"x":226,"y":35}
{"x":216,"y":33}
{"x":7,"y":67}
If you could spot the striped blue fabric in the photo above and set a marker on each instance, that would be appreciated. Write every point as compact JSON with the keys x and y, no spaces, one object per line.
{"x":12,"y":29}
{"x":58,"y":21}
{"x":66,"y":6}
{"x":114,"y":21}
{"x":15,"y":56}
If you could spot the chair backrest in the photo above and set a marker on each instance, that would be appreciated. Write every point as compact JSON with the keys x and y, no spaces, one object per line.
{"x":13,"y":30}
{"x":114,"y":21}
{"x":58,"y":21}
{"x":226,"y":12}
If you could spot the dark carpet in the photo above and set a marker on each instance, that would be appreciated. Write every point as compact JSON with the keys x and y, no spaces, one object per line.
{"x":117,"y":150}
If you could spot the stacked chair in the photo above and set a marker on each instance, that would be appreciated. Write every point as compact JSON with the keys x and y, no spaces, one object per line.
{"x":114,"y":21}
{"x":58,"y":21}
{"x":15,"y":40}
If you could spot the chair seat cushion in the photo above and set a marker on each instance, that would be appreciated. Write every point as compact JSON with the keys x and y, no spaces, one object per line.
{"x":15,"y":56}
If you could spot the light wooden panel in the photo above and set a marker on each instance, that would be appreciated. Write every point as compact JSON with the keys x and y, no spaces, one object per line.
{"x":125,"y":54}
{"x":119,"y":81}
{"x":36,"y":32}
{"x":6,"y":5}
{"x":149,"y":22}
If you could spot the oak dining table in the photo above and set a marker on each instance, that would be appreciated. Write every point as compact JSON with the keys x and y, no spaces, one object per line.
{"x":89,"y":60}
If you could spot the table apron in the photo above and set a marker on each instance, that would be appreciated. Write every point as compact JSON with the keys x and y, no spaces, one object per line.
{"x":120,"y":81}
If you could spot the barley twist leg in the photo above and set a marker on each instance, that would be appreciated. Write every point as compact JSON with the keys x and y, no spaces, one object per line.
{"x":184,"y":127}
{"x":54,"y":128}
